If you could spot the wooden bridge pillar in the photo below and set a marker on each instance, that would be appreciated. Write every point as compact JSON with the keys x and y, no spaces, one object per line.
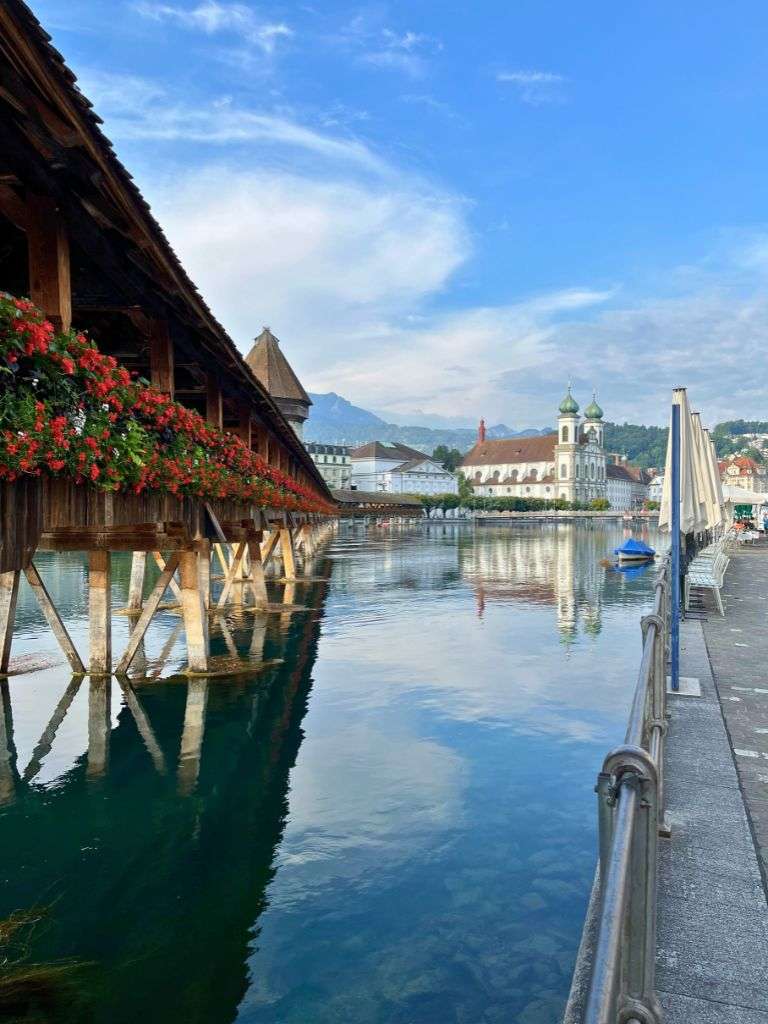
{"x":99,"y":723}
{"x":9,"y":592}
{"x":192,"y":735}
{"x":100,"y":612}
{"x":194,"y":612}
{"x":136,"y":586}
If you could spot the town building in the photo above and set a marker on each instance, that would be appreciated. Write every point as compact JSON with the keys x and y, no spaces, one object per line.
{"x":656,"y":487}
{"x":270,"y":366}
{"x":398,"y":469}
{"x":626,"y":485}
{"x":742,"y":471}
{"x":334,"y":463}
{"x":569,"y":465}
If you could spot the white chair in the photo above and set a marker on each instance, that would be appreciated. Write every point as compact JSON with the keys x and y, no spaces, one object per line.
{"x":707,"y":577}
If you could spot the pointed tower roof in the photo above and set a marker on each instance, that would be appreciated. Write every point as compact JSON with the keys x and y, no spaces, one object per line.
{"x":268,"y":363}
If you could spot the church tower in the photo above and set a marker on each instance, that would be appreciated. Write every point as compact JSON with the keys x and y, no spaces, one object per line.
{"x":594,"y":429}
{"x":567,"y":448}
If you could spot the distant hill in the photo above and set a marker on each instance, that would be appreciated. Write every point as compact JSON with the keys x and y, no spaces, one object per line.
{"x":334,"y":420}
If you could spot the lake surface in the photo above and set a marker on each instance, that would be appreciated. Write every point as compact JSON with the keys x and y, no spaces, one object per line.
{"x":391,"y":822}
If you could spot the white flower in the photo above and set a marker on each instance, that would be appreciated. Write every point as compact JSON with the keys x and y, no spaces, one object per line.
{"x":105,"y":407}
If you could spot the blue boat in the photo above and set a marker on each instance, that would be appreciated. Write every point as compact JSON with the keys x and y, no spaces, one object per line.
{"x":634,"y":551}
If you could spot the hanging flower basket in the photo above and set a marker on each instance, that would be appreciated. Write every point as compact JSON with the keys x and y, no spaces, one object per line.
{"x":68,"y":411}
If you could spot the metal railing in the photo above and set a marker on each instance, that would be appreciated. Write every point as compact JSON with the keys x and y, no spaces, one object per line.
{"x":630,"y":793}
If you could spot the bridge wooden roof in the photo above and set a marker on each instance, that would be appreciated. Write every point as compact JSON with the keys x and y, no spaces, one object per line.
{"x":52,"y":145}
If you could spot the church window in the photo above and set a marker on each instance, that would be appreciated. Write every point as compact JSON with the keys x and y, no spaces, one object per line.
{"x":563,"y":470}
{"x":592,"y":470}
{"x":577,"y":471}
{"x":565,"y":435}
{"x":514,"y":476}
{"x":534,"y":474}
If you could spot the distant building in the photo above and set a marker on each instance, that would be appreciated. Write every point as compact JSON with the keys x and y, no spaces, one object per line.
{"x":398,"y":469}
{"x":275,"y":373}
{"x":626,"y":485}
{"x":568,"y":465}
{"x":741,"y":471}
{"x":333,"y":462}
{"x":656,"y":487}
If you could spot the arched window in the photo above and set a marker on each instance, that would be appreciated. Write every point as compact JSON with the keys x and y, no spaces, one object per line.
{"x":547,"y":490}
{"x":592,"y":470}
{"x":534,"y":474}
{"x":563,"y":470}
{"x":514,"y":476}
{"x":509,"y":490}
{"x":478,"y":476}
{"x":565,"y":435}
{"x":496,"y":476}
{"x":577,"y":471}
{"x":563,"y":495}
{"x":527,"y":490}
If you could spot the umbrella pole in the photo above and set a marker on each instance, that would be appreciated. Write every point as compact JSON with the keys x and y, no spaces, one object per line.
{"x":675,"y":624}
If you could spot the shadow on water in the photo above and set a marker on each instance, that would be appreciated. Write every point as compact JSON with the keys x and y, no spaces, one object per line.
{"x":144,"y":867}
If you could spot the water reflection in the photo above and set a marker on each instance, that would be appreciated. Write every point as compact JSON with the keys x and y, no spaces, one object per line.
{"x":413,"y":845}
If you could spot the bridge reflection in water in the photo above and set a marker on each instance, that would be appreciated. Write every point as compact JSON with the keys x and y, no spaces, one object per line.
{"x":439,"y":849}
{"x":149,"y":856}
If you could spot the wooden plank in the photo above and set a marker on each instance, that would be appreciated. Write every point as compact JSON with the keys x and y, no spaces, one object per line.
{"x":269,"y":545}
{"x":161,"y":356}
{"x":48,"y":248}
{"x":193,"y":610}
{"x":151,"y":606}
{"x":9,"y":592}
{"x":100,"y":612}
{"x":53,"y":619}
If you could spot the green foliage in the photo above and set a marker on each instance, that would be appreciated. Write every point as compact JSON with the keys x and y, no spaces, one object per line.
{"x":652,"y":506}
{"x":449,"y":458}
{"x":599,"y":504}
{"x":644,"y":446}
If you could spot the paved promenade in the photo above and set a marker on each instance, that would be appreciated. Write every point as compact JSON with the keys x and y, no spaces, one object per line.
{"x":712,"y":962}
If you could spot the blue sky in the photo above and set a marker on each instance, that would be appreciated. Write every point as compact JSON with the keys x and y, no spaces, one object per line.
{"x":455,"y":208}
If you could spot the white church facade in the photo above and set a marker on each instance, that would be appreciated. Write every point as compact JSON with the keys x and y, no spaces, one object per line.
{"x":569,"y":465}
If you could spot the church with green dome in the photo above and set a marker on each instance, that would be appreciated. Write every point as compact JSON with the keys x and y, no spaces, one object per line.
{"x":570,"y":464}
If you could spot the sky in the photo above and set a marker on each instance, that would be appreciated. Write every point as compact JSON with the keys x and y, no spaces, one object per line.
{"x":452,"y":210}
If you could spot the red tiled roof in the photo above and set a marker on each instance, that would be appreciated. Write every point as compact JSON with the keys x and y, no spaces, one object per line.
{"x":509,"y":450}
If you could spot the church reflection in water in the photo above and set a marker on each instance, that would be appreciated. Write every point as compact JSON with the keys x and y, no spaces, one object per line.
{"x":141,"y":870}
{"x":559,"y":565}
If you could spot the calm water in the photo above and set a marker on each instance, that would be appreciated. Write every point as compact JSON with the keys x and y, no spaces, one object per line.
{"x":391,"y":823}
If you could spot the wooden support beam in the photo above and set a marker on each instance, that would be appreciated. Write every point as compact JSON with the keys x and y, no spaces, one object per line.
{"x":14,"y":208}
{"x":231,"y":575}
{"x":136,"y":586}
{"x":9,"y":592}
{"x":204,"y":568}
{"x":214,"y":406}
{"x":160,"y":563}
{"x":258,"y":583}
{"x":269,"y":545}
{"x":48,"y":246}
{"x":53,"y":619}
{"x":194,"y":612}
{"x":100,"y":612}
{"x":161,"y":354}
{"x":148,"y":612}
{"x":289,"y":559}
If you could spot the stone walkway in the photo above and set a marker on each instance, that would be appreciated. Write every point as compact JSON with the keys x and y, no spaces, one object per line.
{"x":712,"y":961}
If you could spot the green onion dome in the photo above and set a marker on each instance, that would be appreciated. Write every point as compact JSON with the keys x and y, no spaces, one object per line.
{"x":569,"y":403}
{"x":593,"y":410}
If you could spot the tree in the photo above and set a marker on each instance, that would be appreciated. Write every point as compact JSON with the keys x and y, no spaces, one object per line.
{"x":465,"y":489}
{"x":449,"y":458}
{"x":599,"y":504}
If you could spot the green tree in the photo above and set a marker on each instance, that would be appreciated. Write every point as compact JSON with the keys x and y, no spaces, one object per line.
{"x":449,"y":458}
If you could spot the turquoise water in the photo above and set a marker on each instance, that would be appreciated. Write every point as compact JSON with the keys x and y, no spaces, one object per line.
{"x":392,"y":822}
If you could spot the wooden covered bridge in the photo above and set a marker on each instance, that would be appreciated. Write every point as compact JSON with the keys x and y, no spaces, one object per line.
{"x":151,"y":363}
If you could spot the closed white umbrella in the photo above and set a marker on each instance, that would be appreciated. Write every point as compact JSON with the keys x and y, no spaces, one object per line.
{"x":693,"y":516}
{"x":715,"y":471}
{"x":701,"y":470}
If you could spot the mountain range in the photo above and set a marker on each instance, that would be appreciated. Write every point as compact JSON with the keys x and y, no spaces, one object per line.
{"x":334,"y":420}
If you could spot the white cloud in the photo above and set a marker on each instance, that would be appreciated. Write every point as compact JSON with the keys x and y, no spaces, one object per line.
{"x":534,"y":87}
{"x":213,"y":17}
{"x":136,"y":109}
{"x":378,"y":46}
